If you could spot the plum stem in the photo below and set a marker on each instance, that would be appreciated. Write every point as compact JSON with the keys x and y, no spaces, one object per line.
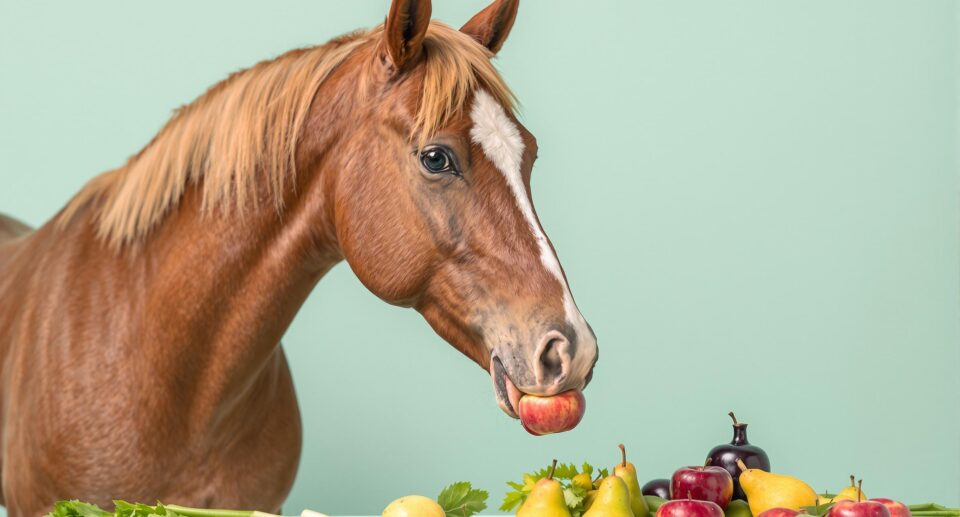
{"x":623,"y":454}
{"x":742,"y":465}
{"x":708,"y":462}
{"x":859,"y":490}
{"x":553,"y":468}
{"x":734,"y":417}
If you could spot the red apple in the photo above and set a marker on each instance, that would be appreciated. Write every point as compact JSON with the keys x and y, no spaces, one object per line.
{"x":859,"y":509}
{"x":689,"y":508}
{"x":712,"y":484}
{"x":780,"y":512}
{"x":896,"y":508}
{"x":556,"y":414}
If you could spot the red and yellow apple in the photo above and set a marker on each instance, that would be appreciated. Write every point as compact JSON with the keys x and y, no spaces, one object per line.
{"x":689,"y":508}
{"x":780,"y":512}
{"x":702,"y":483}
{"x":896,"y":508}
{"x":859,"y":509}
{"x":554,"y":414}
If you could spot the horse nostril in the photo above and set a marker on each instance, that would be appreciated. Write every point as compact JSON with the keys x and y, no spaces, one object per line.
{"x":553,"y":360}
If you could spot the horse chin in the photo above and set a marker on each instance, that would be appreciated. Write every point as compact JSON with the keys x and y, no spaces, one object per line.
{"x":508,"y":396}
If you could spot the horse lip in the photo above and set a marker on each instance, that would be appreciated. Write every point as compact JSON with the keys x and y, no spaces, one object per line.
{"x":508,"y":396}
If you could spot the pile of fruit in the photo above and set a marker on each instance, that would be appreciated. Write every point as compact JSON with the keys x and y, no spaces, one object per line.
{"x":735,"y":481}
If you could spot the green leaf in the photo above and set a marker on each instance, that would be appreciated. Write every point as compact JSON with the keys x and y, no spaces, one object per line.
{"x":77,"y":509}
{"x":512,"y":500}
{"x":587,"y":469}
{"x":817,"y":510}
{"x":572,"y":498}
{"x":461,"y":500}
{"x":565,"y":471}
{"x":604,"y":473}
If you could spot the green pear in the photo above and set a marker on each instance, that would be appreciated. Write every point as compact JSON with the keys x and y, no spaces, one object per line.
{"x":653,"y":502}
{"x":737,"y":508}
{"x":613,"y":500}
{"x":546,"y":499}
{"x":628,"y":473}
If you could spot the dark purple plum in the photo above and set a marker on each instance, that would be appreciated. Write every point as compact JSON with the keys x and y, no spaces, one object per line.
{"x":726,"y":456}
{"x":657,"y":487}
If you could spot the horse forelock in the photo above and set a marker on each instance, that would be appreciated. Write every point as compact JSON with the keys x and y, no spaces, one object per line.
{"x":241,"y":135}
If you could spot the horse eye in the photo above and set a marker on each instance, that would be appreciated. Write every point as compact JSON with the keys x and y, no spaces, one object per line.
{"x":436,"y":160}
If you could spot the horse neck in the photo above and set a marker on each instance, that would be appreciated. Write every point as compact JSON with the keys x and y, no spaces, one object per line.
{"x":217,"y":291}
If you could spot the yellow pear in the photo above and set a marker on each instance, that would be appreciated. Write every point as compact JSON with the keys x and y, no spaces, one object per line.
{"x":582,"y":480}
{"x":628,"y":473}
{"x":613,"y":500}
{"x":850,"y":493}
{"x":413,"y":506}
{"x":767,"y":490}
{"x":546,"y":499}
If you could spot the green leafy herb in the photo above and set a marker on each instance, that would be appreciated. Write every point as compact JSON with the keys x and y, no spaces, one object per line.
{"x":462,"y":500}
{"x":125,"y":509}
{"x":77,"y":509}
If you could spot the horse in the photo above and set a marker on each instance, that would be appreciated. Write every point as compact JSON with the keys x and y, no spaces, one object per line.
{"x":140,"y":328}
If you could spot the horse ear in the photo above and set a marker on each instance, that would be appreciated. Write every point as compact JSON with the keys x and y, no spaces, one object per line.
{"x":492,"y":25}
{"x":405,"y":28}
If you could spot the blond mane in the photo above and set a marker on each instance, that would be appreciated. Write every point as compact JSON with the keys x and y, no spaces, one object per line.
{"x":241,"y":135}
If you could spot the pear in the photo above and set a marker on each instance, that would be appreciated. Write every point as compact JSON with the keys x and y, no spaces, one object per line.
{"x":767,"y":490}
{"x":582,"y":480}
{"x":850,"y":493}
{"x":737,"y":508}
{"x":546,"y":499}
{"x":628,"y":473}
{"x":613,"y":500}
{"x":654,"y":502}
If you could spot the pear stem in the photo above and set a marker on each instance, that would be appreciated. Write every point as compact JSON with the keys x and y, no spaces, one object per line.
{"x":859,"y":490}
{"x":734,"y":417}
{"x":853,"y":482}
{"x":553,"y":468}
{"x":623,"y":454}
{"x":742,"y":465}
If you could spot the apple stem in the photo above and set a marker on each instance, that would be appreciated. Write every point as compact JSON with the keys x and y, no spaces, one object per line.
{"x":623,"y":454}
{"x":553,"y":468}
{"x":734,"y":417}
{"x":742,"y":465}
{"x":859,"y":490}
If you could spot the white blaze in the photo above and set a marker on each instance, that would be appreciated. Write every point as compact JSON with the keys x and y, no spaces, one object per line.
{"x":501,"y":142}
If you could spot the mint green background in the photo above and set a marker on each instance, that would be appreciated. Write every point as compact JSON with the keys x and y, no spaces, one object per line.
{"x":756,"y":203}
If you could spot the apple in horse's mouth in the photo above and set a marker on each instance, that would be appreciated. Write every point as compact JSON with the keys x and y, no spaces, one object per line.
{"x":539,"y":415}
{"x":554,"y":414}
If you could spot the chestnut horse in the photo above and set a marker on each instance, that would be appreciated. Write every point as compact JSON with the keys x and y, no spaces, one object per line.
{"x":140,"y":329}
